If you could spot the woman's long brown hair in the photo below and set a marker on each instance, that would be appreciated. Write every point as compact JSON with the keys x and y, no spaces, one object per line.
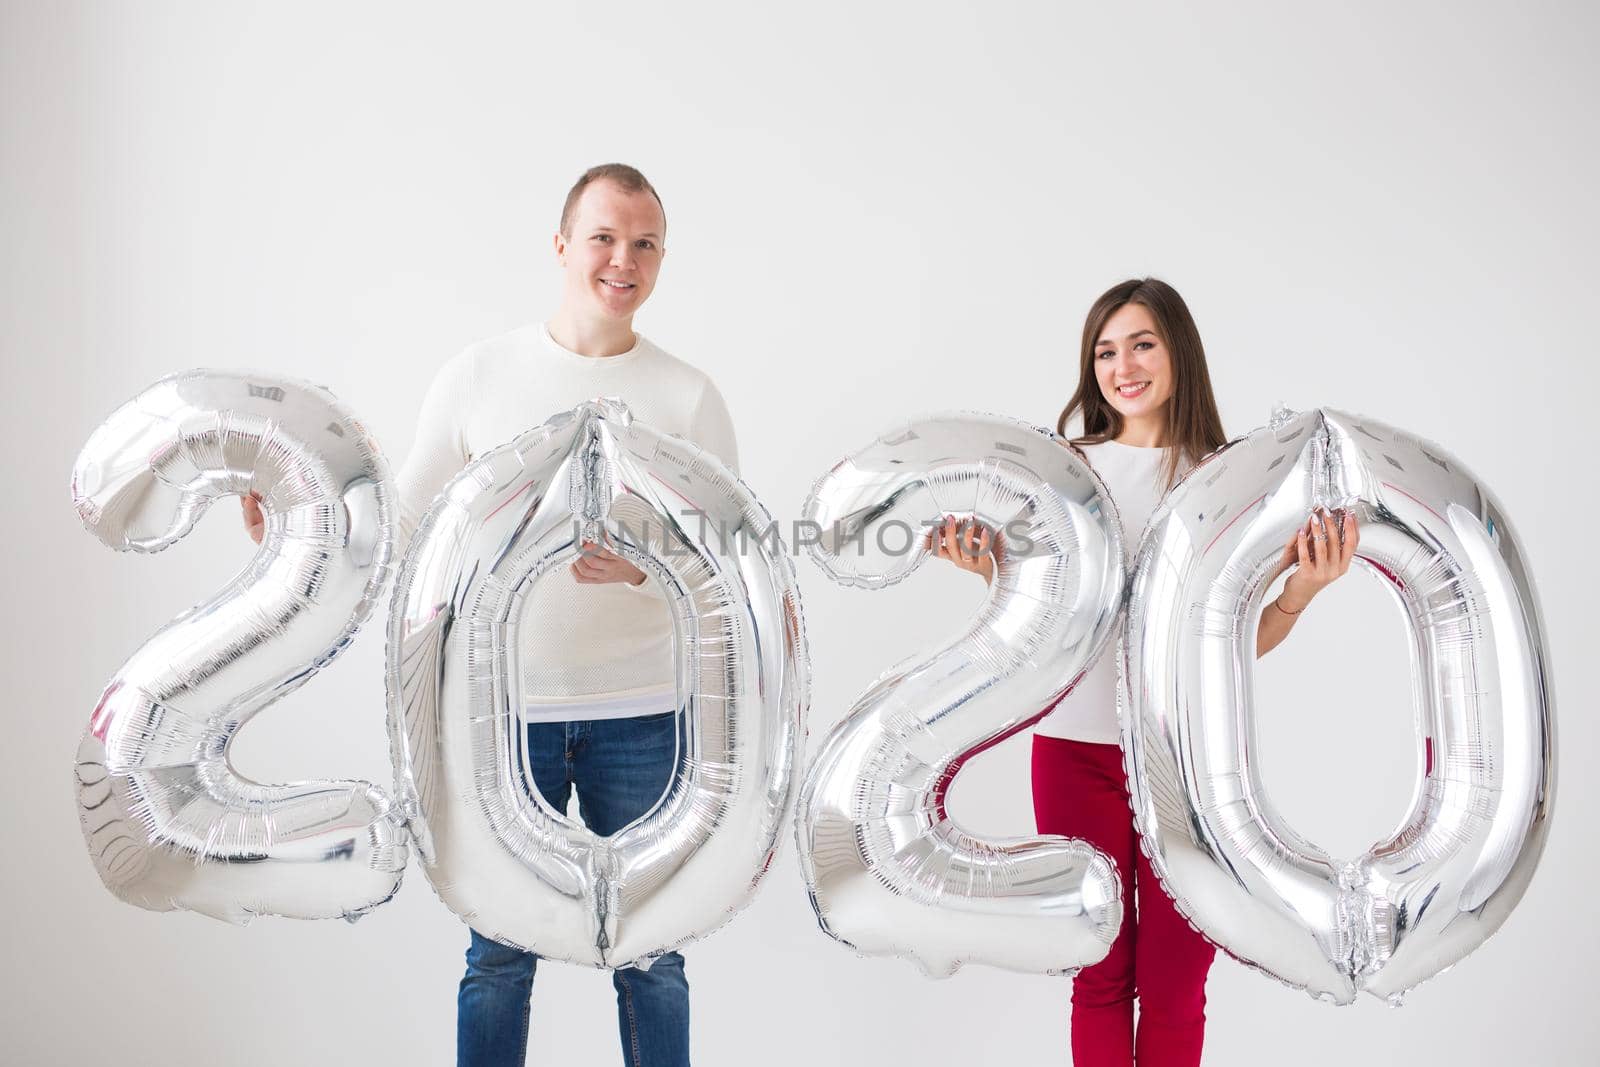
{"x":1194,"y":428}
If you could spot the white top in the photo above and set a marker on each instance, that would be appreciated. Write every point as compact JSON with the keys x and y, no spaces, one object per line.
{"x":1133,"y":478}
{"x":588,"y":651}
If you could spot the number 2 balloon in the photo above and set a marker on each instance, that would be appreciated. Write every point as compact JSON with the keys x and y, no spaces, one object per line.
{"x":168,"y":822}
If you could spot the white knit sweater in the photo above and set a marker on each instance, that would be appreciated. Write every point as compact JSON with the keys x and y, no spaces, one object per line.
{"x":588,"y":651}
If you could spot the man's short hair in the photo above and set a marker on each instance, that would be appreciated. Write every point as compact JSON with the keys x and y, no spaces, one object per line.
{"x":620,"y":173}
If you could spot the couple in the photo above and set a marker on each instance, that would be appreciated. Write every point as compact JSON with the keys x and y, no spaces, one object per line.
{"x":604,"y":721}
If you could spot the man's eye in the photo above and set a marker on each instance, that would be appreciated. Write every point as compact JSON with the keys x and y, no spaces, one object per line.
{"x":602,"y":237}
{"x":646,"y":244}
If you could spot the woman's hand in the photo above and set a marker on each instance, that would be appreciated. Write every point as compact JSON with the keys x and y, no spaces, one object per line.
{"x":968,"y":545}
{"x":1320,"y":552}
{"x":597,"y":565}
{"x":255,"y":523}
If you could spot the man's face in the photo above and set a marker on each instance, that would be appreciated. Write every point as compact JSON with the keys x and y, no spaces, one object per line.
{"x":614,"y":251}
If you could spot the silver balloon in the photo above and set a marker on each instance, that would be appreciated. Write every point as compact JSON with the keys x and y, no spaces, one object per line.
{"x":889,"y":872}
{"x":1414,"y":904}
{"x":167,"y":821}
{"x":494,"y":849}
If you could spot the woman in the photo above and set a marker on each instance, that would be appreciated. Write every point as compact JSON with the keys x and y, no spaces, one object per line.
{"x":1148,"y":416}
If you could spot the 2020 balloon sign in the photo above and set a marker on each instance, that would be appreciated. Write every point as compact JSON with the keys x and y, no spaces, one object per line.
{"x":169,"y":824}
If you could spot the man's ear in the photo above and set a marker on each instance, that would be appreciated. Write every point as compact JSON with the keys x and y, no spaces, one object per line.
{"x":560,"y":244}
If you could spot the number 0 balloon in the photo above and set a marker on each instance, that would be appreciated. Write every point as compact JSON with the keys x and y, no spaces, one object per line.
{"x":167,"y":821}
{"x":495,"y":851}
{"x":1448,"y":877}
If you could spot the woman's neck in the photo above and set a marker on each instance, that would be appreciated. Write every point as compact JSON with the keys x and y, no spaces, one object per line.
{"x":591,"y":336}
{"x":1144,"y":433}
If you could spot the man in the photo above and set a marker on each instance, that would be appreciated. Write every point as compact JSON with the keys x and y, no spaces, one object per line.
{"x":598,"y":678}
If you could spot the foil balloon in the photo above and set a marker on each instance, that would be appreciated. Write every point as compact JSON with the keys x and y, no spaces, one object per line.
{"x":889,"y":872}
{"x":167,"y":821}
{"x":494,"y":849}
{"x":1418,"y":902}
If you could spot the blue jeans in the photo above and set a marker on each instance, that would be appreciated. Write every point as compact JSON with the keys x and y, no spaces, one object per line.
{"x":620,"y":768}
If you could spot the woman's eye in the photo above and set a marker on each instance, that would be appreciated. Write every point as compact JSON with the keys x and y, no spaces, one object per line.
{"x":1105,"y":353}
{"x":1145,"y":344}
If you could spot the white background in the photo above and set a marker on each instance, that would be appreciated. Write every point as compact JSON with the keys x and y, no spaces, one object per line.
{"x":874,"y":212}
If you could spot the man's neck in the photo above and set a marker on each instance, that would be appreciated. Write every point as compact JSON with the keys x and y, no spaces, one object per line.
{"x":598,"y":337}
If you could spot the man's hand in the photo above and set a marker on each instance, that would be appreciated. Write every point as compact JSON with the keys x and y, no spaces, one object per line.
{"x":598,"y":565}
{"x":255,"y":523}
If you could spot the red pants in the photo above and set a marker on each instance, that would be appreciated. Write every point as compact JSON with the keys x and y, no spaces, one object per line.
{"x":1079,"y":790}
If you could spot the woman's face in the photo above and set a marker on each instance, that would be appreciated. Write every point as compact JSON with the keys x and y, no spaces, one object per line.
{"x":1132,"y":364}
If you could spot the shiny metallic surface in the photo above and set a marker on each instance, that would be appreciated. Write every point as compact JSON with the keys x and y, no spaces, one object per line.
{"x":495,"y":851}
{"x":1463,"y":855}
{"x":167,"y":821}
{"x":889,"y":872}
